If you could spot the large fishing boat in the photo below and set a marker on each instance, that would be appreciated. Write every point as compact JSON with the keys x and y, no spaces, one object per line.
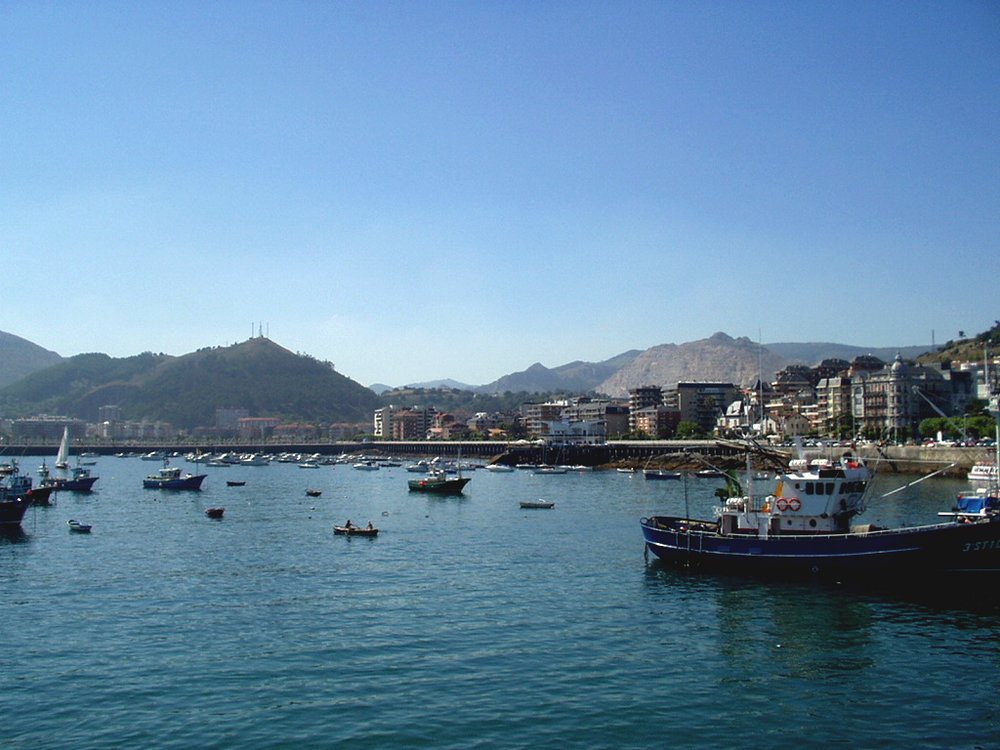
{"x":80,"y":481}
{"x":803,"y":530}
{"x":17,"y":495}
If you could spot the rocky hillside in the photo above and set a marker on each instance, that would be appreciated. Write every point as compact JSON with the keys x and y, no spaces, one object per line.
{"x":719,"y":358}
{"x":575,"y":377}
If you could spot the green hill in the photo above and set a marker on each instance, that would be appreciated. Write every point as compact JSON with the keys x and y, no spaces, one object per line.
{"x":20,"y":357}
{"x":257,"y":375}
{"x":966,"y":349}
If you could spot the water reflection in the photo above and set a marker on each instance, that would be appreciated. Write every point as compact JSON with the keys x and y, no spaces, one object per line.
{"x":12,"y":535}
{"x":803,"y":630}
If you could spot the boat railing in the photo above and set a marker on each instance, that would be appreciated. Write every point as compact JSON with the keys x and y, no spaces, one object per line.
{"x":692,"y":526}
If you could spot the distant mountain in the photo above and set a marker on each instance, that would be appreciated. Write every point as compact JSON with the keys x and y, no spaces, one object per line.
{"x":719,"y":358}
{"x":575,"y":377}
{"x":446,"y":383}
{"x":258,"y":375}
{"x":814,"y":353}
{"x":19,"y":357}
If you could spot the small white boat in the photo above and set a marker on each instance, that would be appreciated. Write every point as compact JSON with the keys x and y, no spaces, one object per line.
{"x":366,"y":466}
{"x":500,"y":468}
{"x":537,"y":503}
{"x":78,"y":528}
{"x":983,"y":476}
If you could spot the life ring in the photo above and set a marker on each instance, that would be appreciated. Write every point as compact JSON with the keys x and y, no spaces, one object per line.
{"x":794,"y":504}
{"x":782,"y":504}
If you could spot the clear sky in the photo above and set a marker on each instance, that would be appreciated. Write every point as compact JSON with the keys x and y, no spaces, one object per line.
{"x":420,"y":190}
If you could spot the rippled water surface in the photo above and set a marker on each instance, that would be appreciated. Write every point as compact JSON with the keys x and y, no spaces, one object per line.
{"x":466,"y":623}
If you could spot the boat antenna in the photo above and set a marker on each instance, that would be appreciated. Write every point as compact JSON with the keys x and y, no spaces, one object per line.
{"x":760,"y":384}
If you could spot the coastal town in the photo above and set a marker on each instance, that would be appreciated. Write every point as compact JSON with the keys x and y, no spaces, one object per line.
{"x":864,"y":399}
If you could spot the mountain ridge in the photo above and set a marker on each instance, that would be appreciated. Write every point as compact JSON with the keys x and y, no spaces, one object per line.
{"x":98,"y":379}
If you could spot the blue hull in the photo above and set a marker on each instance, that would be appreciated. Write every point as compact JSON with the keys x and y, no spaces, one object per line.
{"x":183,"y":483}
{"x":938,"y":550}
{"x":12,"y":510}
{"x":75,"y":485}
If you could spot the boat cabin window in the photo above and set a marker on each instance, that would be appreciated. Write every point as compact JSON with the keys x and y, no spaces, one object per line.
{"x":820,"y":488}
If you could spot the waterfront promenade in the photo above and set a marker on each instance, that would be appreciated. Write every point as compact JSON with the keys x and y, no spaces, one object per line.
{"x":635,"y":453}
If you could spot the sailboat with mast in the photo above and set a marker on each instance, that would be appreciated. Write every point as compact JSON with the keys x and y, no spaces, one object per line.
{"x":81,"y":479}
{"x":62,"y":456}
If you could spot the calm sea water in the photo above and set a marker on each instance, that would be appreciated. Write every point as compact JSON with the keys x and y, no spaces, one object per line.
{"x":467,"y":623}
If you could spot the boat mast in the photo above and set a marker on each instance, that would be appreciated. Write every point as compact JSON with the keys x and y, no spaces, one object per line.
{"x":994,"y":409}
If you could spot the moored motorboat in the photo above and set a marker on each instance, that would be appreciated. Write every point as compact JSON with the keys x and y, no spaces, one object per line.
{"x":233,"y":483}
{"x":313,"y":493}
{"x":80,"y":481}
{"x":439,"y":482}
{"x":660,"y":474}
{"x":170,"y":478}
{"x":710,"y":474}
{"x":983,"y":476}
{"x":214,"y":512}
{"x":77,"y":527}
{"x":803,"y":530}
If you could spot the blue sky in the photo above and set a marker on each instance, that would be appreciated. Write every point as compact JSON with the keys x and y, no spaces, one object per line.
{"x":423,"y":190}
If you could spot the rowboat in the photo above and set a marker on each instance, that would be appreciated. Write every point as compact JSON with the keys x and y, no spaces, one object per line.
{"x":355,"y":530}
{"x":537,"y":504}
